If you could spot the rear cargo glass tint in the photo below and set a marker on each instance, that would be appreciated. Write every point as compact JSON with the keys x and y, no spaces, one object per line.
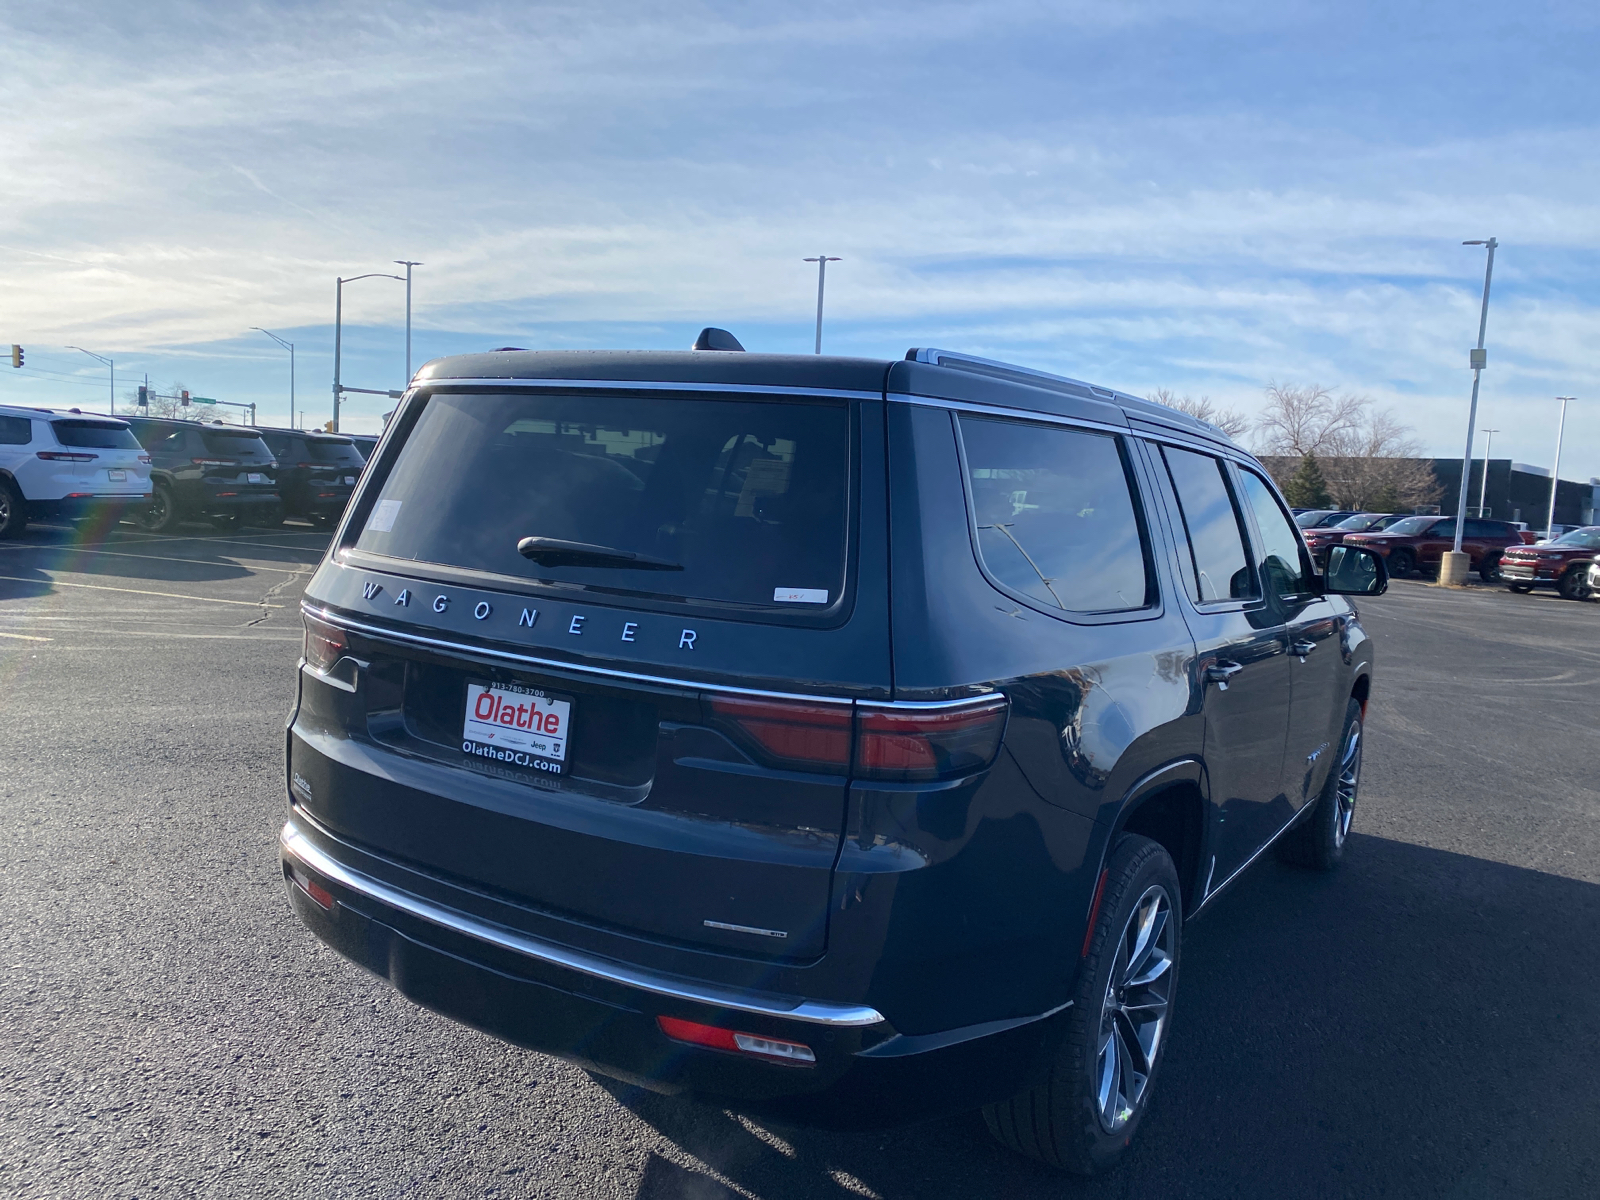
{"x":95,"y":435}
{"x":1055,"y":515}
{"x":734,"y":501}
{"x":343,"y":453}
{"x":235,"y":444}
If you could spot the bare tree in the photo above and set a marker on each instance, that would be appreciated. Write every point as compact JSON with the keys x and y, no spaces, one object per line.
{"x":1306,"y":420}
{"x":1229,"y":420}
{"x":1370,"y":461}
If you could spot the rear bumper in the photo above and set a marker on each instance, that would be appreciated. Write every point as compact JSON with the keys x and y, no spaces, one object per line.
{"x":77,"y":508}
{"x":601,"y":1013}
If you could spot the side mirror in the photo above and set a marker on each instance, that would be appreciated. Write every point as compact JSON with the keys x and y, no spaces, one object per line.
{"x":1355,"y":571}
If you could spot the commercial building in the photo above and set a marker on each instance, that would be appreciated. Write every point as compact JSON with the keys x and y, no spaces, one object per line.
{"x":1517,"y":492}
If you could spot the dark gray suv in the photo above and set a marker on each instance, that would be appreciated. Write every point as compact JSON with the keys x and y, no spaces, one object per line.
{"x":835,"y":738}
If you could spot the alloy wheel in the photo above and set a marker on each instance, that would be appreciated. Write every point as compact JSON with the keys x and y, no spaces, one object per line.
{"x":1349,"y":780}
{"x":1133,"y":1016}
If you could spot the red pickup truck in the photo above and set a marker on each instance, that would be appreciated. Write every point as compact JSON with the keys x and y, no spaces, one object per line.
{"x":1562,"y":564}
{"x":1415,"y":545}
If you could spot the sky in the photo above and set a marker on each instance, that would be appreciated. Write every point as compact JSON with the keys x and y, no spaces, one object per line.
{"x":1204,"y":198}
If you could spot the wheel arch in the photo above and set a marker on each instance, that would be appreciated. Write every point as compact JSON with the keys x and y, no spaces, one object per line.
{"x":1168,"y":806}
{"x":1361,"y":692}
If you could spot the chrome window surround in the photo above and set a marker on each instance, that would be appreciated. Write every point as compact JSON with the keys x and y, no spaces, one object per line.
{"x":551,"y":664}
{"x":644,"y":385}
{"x":293,"y":844}
{"x":997,"y":410}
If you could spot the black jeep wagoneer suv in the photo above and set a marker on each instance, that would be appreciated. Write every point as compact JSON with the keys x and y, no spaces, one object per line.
{"x":844,"y":740}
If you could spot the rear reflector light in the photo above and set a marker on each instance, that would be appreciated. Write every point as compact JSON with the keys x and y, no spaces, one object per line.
{"x":61,"y":456}
{"x":222,"y":494}
{"x":144,"y":458}
{"x":772,"y":1049}
{"x":308,"y":885}
{"x":325,"y":644}
{"x":932,"y":743}
{"x":812,"y":736}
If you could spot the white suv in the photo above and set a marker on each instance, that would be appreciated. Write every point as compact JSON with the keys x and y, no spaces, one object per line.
{"x":68,"y":465}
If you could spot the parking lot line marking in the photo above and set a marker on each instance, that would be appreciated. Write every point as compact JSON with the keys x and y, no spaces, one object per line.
{"x":23,"y":637}
{"x":197,"y":562}
{"x":97,"y":587}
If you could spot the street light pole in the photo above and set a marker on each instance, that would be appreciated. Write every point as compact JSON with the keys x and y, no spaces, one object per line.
{"x":108,"y":363}
{"x":1483,"y":487}
{"x":407,"y":264}
{"x":1453,"y":567}
{"x":290,"y":347}
{"x":822,"y":261}
{"x":338,"y":332}
{"x":1555,"y":473}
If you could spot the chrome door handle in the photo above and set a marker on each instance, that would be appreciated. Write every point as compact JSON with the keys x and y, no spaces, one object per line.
{"x":1301,"y":649}
{"x":1220,"y":672}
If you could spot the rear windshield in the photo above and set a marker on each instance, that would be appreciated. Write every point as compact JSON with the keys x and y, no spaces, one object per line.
{"x":96,"y":435}
{"x":235,"y":443}
{"x":344,"y":453}
{"x":736,"y":501}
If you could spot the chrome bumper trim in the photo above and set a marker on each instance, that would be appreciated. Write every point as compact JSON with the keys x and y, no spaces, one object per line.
{"x":293,"y":844}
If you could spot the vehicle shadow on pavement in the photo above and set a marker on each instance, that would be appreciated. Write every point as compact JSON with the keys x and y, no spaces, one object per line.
{"x":1417,"y":1023}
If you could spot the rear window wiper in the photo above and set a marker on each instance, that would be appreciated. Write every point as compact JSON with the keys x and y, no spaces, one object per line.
{"x":554,"y":552}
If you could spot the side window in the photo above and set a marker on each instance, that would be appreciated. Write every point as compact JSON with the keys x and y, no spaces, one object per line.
{"x":1216,"y":534}
{"x":1055,"y":515}
{"x":1444,"y":529}
{"x":15,"y":431}
{"x":1486,"y":529}
{"x":1283,"y":567}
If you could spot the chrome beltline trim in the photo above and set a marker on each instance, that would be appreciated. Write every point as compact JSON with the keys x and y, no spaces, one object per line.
{"x":652,"y":385}
{"x":293,"y":844}
{"x":552,"y":664}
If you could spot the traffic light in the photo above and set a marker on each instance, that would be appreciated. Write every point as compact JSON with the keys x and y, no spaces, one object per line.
{"x":144,"y":397}
{"x":184,"y":398}
{"x":16,"y":355}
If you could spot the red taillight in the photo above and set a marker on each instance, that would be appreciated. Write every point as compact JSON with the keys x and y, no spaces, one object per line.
{"x":144,"y":458}
{"x":325,"y":644}
{"x":796,"y":1054}
{"x":62,"y":456}
{"x":814,"y":736}
{"x":905,"y":742}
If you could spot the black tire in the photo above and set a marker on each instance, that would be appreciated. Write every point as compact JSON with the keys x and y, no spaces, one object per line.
{"x":1317,"y":840}
{"x":1574,"y":585}
{"x":1062,"y":1121}
{"x":161,"y":514}
{"x":1523,"y":588}
{"x":1489,"y":569}
{"x":1402,"y":563}
{"x":13,"y":510}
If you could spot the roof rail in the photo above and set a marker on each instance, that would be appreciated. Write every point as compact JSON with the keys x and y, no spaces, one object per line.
{"x":1059,"y":383}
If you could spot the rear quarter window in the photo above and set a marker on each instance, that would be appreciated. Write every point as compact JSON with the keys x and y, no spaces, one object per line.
{"x":1054,"y":516}
{"x":15,"y":431}
{"x":732,"y":501}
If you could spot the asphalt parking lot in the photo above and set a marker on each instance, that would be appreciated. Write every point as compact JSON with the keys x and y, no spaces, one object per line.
{"x":1420,"y":1023}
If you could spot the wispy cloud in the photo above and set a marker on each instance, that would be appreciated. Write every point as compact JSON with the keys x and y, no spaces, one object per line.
{"x":1154,"y":194}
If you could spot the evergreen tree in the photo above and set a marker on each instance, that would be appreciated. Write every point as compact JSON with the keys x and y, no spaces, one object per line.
{"x":1385,"y":499}
{"x":1306,"y":487}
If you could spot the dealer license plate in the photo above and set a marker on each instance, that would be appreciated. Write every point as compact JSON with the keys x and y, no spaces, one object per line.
{"x":116,"y":475}
{"x":516,"y":727}
{"x":255,"y":477}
